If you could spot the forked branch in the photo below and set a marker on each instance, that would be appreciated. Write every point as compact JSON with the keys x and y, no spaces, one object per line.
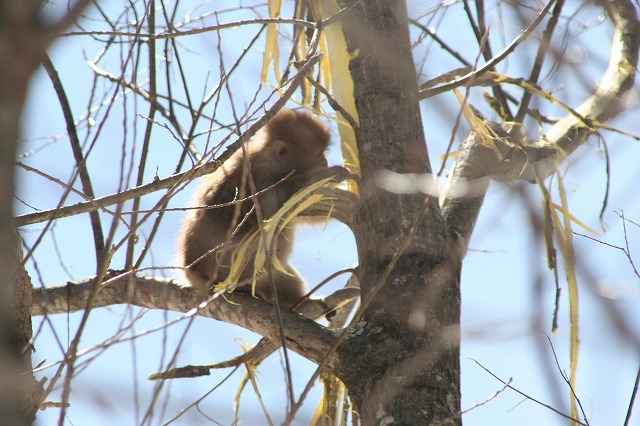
{"x":477,"y":162}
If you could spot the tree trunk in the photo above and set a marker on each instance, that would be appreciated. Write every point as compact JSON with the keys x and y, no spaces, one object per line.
{"x":406,"y":356}
{"x":23,"y":39}
{"x":17,"y":62}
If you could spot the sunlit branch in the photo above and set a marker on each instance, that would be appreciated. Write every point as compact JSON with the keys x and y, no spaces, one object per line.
{"x":510,"y":159}
{"x":304,"y":336}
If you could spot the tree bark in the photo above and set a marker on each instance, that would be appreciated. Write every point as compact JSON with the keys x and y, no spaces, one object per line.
{"x":406,"y":352}
{"x":23,"y":39}
{"x":17,"y":62}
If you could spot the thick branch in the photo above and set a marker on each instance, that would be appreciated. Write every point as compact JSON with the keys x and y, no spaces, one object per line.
{"x":102,"y":202}
{"x":606,"y":102}
{"x":427,"y":92}
{"x":466,"y":189}
{"x":477,"y":163}
{"x":303,"y":335}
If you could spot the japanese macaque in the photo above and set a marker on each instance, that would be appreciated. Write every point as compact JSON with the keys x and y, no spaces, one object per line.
{"x":285,"y":156}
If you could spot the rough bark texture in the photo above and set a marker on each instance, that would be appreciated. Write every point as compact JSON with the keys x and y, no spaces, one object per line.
{"x":23,"y":39}
{"x":19,"y":387}
{"x":304,"y":336}
{"x":17,"y":62}
{"x":406,"y":353}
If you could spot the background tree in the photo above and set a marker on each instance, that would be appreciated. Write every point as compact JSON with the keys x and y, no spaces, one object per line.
{"x":171,"y":90}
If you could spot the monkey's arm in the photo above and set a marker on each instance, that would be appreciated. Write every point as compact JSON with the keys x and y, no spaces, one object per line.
{"x":338,"y":173}
{"x":273,"y":199}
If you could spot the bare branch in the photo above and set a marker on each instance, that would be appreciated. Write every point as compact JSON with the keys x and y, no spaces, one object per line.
{"x":567,"y":134}
{"x":461,"y":212}
{"x":177,"y":178}
{"x":78,"y":155}
{"x":304,"y":336}
{"x":606,"y":102}
{"x":577,"y":421}
{"x":343,"y":300}
{"x":101,"y":202}
{"x":172,"y":33}
{"x":509,"y":160}
{"x":462,"y":81}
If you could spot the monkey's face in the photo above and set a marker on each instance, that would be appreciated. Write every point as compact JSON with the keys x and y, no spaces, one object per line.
{"x":301,"y":157}
{"x":298,"y":141}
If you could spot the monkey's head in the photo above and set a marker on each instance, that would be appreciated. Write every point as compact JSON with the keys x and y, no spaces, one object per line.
{"x":296,"y":141}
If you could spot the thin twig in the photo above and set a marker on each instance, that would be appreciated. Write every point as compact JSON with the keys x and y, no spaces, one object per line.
{"x":443,"y":45}
{"x":144,"y":152}
{"x":178,"y":178}
{"x":199,"y":400}
{"x":334,"y":103}
{"x":152,"y":99}
{"x":174,"y":34}
{"x":529,"y":397}
{"x":543,"y":47}
{"x":622,"y":249}
{"x":85,"y":180}
{"x":473,"y":407}
{"x":566,"y":379}
{"x":259,"y":216}
{"x":424,"y":94}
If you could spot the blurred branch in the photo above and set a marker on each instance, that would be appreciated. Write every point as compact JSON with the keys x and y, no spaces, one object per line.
{"x":24,"y":36}
{"x":542,"y":157}
{"x":507,"y":159}
{"x":73,"y":13}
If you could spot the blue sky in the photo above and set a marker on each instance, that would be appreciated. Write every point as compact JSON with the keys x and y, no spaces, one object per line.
{"x":507,"y":292}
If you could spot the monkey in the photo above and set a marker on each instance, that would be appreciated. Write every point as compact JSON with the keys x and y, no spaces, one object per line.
{"x":287,"y":154}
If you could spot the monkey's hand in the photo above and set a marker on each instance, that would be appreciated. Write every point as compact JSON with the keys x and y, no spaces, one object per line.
{"x":335,"y":173}
{"x":339,"y":173}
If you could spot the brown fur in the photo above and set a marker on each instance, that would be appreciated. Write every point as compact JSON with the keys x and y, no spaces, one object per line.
{"x":290,"y":142}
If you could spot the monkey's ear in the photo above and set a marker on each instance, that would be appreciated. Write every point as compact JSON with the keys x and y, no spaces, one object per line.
{"x":280,"y":148}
